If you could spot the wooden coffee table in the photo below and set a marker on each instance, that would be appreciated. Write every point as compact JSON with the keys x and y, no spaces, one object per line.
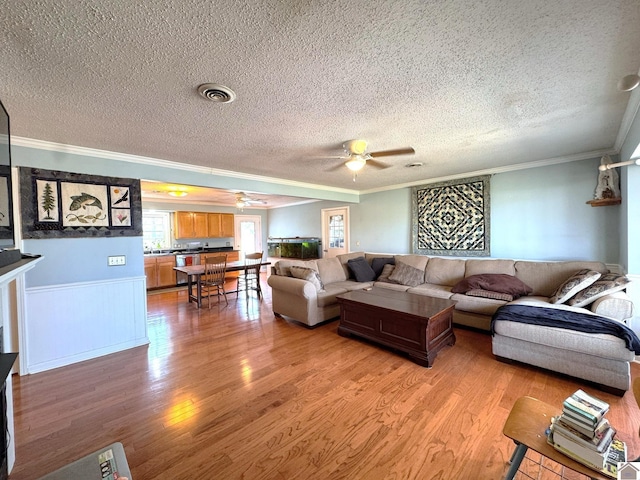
{"x":417,"y":325}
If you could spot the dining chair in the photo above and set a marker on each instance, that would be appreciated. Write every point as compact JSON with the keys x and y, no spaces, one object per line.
{"x":215,"y":268}
{"x":249,"y":278}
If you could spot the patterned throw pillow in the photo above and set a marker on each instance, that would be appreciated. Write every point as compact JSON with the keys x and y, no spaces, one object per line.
{"x":407,"y":275}
{"x":386,"y":271}
{"x":309,"y":275}
{"x":606,"y":284}
{"x":489,"y":294}
{"x":572,"y":285}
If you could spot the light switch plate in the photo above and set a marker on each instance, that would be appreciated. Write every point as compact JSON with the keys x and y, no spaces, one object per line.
{"x":116,"y":260}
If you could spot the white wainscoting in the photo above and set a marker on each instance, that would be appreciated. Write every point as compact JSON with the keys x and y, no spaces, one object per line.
{"x":65,"y":324}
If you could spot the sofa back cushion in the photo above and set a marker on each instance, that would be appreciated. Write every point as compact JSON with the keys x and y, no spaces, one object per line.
{"x":482,"y":267}
{"x":445,"y":271}
{"x":331,"y":270}
{"x":545,"y":277}
{"x":415,"y":261}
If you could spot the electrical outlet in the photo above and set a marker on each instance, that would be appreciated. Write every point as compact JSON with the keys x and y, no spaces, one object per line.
{"x":116,"y":260}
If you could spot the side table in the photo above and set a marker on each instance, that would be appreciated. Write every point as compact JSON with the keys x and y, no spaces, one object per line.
{"x":526,"y":426}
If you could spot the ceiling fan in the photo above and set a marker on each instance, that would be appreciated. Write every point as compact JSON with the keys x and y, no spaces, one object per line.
{"x":357,"y":156}
{"x":243,"y":200}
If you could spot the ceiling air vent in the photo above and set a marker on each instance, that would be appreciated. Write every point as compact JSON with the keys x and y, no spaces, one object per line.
{"x":216,"y":93}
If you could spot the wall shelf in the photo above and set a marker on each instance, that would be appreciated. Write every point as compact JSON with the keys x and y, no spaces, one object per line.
{"x":603,"y":202}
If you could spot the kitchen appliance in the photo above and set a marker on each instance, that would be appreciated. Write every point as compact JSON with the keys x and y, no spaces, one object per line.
{"x":185,"y":260}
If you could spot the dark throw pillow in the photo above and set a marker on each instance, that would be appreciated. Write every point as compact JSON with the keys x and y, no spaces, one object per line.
{"x":378,"y":264}
{"x":361,"y":270}
{"x":494,"y":282}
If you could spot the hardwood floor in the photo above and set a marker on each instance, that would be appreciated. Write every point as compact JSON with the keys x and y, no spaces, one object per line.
{"x":233,"y":392}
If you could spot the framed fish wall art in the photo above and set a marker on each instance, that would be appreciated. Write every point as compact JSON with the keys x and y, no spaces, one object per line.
{"x":63,"y":204}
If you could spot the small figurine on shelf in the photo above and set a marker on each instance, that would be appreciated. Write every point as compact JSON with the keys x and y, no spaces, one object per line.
{"x":608,"y":182}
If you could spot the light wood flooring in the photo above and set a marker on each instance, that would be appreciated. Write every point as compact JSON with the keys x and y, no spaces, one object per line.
{"x":234,"y":393}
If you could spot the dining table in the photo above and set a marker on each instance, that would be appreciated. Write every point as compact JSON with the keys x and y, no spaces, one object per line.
{"x":195,"y":272}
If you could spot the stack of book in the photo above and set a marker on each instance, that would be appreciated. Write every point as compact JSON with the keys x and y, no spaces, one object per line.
{"x":583,"y":433}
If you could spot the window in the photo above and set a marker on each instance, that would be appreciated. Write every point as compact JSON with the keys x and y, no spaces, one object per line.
{"x":336,"y":231}
{"x":156,"y":230}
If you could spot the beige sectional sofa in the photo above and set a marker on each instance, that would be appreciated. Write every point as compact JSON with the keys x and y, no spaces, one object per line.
{"x":600,"y":358}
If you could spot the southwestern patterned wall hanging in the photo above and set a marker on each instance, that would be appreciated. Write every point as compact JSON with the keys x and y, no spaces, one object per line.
{"x":60,"y":204}
{"x":452,"y":218}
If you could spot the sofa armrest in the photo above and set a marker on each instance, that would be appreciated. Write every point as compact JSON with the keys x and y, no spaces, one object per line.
{"x":293,"y":286}
{"x":616,"y":305}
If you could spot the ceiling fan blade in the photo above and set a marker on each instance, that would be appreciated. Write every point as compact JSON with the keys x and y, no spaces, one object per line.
{"x":335,"y":168}
{"x":389,"y":153}
{"x":378,"y":165}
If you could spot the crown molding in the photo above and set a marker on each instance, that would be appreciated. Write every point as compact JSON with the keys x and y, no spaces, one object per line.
{"x":508,"y":168}
{"x":155,"y":162}
{"x":627,"y":119}
{"x":125,"y":157}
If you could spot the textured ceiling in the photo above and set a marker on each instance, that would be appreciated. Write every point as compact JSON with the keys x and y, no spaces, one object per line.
{"x":470,"y":85}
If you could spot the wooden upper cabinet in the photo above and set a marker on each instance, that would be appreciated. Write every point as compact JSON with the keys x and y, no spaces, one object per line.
{"x":200,"y":225}
{"x":227,"y":225}
{"x":221,"y":225}
{"x":191,"y":225}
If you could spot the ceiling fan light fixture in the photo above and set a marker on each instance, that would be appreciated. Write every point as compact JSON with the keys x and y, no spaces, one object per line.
{"x":355,"y":163}
{"x":177,"y":193}
{"x":356,"y":147}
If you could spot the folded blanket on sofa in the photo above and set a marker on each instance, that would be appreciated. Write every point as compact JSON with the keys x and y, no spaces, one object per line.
{"x":578,"y":321}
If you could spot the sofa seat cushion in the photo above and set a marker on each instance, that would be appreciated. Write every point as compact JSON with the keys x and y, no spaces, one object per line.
{"x":393,"y":286}
{"x":431,"y":290}
{"x":350,"y":285}
{"x":479,"y":305}
{"x":327,"y":297}
{"x":599,"y":345}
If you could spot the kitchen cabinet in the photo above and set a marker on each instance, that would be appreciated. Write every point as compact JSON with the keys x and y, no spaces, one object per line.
{"x":191,"y":225}
{"x":221,"y":225}
{"x":159,"y":271}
